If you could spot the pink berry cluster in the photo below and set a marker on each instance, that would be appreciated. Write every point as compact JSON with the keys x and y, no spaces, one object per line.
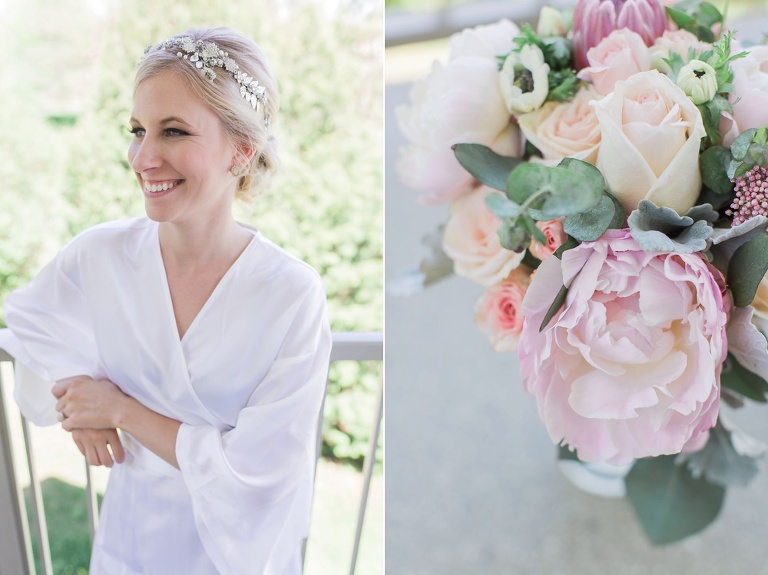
{"x":751,"y":196}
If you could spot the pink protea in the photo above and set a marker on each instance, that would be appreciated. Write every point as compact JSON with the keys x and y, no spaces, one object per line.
{"x":593,"y":20}
{"x":751,"y":196}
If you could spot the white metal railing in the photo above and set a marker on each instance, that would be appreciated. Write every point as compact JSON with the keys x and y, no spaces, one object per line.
{"x":16,"y":555}
{"x":405,"y":27}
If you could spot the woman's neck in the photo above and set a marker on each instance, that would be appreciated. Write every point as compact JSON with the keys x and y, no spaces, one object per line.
{"x":198,"y":245}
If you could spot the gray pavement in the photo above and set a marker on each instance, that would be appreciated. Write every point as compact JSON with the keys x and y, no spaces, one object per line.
{"x":472,"y":486}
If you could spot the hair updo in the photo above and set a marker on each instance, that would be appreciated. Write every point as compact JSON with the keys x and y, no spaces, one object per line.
{"x":244,"y":125}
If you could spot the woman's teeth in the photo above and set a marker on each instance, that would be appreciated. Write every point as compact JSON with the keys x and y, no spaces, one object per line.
{"x":154,"y":188}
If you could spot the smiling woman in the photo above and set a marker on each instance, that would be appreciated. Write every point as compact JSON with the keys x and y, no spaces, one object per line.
{"x":196,"y":337}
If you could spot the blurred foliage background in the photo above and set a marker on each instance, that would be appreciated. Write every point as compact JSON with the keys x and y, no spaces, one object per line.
{"x":67,"y":94}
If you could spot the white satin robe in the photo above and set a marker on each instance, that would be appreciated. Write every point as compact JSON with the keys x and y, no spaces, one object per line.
{"x":246,"y":381}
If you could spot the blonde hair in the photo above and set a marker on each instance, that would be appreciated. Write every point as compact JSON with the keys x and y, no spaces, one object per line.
{"x":245,"y":126}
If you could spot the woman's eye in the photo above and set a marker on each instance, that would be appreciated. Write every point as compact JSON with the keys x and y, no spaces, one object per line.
{"x":138,"y":132}
{"x":173,"y":132}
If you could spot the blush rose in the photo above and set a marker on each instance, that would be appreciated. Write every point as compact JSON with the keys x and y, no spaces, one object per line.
{"x":617,"y":57}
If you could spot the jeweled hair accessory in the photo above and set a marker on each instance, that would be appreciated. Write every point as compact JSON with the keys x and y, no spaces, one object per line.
{"x":206,"y":56}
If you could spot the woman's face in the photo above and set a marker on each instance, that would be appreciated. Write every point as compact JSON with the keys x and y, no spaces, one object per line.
{"x":180,"y":152}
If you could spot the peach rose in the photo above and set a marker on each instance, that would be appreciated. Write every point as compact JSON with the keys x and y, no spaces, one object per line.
{"x":471,"y":240}
{"x":457,"y":103}
{"x":497,"y":312}
{"x":650,"y":135}
{"x":617,"y":57}
{"x":553,"y":230}
{"x":564,"y":129}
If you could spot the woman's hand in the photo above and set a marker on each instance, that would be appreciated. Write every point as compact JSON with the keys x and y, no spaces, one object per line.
{"x":95,"y":444}
{"x":88,"y":403}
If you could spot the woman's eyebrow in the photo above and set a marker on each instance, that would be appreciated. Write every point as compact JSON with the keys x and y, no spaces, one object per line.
{"x":167,"y":120}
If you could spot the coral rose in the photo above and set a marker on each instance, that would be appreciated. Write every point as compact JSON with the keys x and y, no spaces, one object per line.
{"x":553,"y":231}
{"x":457,"y":103}
{"x":630,"y":365}
{"x":471,"y":240}
{"x":497,"y":312}
{"x":650,"y":135}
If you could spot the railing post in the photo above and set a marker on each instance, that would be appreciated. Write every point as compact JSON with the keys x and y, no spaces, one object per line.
{"x":15,"y":550}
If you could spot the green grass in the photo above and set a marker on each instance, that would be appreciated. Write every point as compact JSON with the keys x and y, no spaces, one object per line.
{"x":66,"y":513}
{"x":329,"y":552}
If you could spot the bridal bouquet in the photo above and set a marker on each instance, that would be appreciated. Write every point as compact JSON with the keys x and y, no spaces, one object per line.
{"x":608,"y":181}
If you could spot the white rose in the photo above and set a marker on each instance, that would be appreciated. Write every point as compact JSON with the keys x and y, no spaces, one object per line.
{"x":471,"y":240}
{"x":650,"y":135}
{"x":524,"y":80}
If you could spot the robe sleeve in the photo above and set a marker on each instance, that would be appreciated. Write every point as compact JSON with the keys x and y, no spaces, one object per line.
{"x":251,"y":487}
{"x":50,"y":335}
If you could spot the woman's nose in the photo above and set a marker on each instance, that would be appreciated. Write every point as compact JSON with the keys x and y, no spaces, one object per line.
{"x":144,"y":155}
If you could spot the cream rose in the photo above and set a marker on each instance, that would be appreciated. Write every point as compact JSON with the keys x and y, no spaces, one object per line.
{"x":564,"y":129}
{"x":471,"y":240}
{"x":650,"y":135}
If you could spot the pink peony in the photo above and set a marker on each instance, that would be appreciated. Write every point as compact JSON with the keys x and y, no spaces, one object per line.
{"x":750,"y":89}
{"x":457,"y":103}
{"x":618,"y":56}
{"x":553,"y":231}
{"x":630,"y":366}
{"x":497,"y":312}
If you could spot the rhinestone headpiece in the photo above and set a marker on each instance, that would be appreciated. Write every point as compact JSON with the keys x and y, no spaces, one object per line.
{"x":206,"y":56}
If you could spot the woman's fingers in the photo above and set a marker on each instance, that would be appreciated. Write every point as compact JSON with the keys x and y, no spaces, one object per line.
{"x":100,"y":446}
{"x":117,"y":446}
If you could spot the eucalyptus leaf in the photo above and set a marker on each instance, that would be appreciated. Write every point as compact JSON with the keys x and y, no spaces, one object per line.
{"x":485,"y":165}
{"x":533,"y":231}
{"x":740,"y":145}
{"x":669,"y":501}
{"x":588,"y":226}
{"x":714,"y":165}
{"x":513,"y":235}
{"x":571,"y":193}
{"x":585,"y":169}
{"x":526,"y":181}
{"x":502,"y":206}
{"x":747,"y":268}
